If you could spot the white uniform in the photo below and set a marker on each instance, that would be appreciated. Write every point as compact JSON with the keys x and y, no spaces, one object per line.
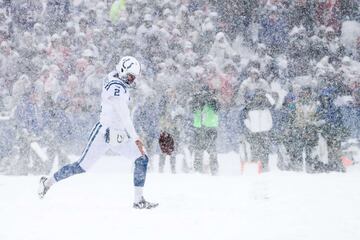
{"x":115,"y":130}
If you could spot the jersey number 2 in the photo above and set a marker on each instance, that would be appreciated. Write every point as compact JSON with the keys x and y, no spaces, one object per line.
{"x":117,"y":92}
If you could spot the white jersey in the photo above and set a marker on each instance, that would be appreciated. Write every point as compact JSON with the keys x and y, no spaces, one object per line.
{"x":115,"y":112}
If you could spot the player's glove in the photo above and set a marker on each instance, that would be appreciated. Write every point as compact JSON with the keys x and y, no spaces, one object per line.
{"x":166,"y":143}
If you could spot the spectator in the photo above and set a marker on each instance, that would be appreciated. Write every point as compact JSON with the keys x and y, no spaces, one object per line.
{"x":10,"y":61}
{"x":299,"y":53}
{"x":250,"y":85}
{"x":25,"y":13}
{"x":57,"y":14}
{"x":329,"y":118}
{"x":306,"y":132}
{"x":258,"y":122}
{"x":221,"y":49}
{"x":205,"y":107}
{"x":302,"y":14}
{"x":273,"y":31}
{"x":328,"y":14}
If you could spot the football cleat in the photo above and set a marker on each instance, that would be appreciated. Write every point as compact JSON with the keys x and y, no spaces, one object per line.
{"x":42,"y":187}
{"x":143,"y":204}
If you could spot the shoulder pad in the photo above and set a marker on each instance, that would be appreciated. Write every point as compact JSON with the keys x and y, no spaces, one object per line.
{"x":117,"y":83}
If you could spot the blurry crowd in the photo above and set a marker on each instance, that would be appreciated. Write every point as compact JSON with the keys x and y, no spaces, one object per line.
{"x":255,"y":77}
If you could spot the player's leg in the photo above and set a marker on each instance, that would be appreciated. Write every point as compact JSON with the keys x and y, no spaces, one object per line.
{"x":162,"y":159}
{"x":140,"y":170}
{"x":139,"y":182}
{"x":95,"y":147}
{"x":173,"y":162}
{"x":198,"y":160}
{"x":214,"y":164}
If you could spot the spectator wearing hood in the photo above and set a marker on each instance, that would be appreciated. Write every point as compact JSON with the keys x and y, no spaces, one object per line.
{"x":221,"y":50}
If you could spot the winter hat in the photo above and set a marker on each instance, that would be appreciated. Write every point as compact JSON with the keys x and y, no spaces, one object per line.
{"x":253,"y":70}
{"x":290,"y":97}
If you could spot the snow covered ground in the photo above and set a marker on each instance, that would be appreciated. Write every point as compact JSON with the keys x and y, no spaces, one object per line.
{"x":98,"y":205}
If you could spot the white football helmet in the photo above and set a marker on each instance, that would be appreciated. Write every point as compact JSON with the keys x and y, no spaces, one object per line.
{"x":128,"y":66}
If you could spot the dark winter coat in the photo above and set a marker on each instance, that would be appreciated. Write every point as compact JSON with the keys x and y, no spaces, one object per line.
{"x":57,"y":14}
{"x":332,"y":120}
{"x":25,"y":13}
{"x":303,"y":15}
{"x":273,"y":33}
{"x":351,"y":118}
{"x":204,"y":137}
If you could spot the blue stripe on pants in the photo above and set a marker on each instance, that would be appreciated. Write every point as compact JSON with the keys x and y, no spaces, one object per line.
{"x":92,"y":137}
{"x":93,"y":130}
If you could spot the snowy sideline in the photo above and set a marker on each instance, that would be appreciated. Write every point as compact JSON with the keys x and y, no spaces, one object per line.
{"x":97,"y":205}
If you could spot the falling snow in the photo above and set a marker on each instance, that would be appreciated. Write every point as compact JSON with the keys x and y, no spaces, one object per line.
{"x":263,"y":86}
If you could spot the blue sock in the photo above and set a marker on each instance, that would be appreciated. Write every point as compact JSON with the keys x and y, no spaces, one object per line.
{"x":140,"y":171}
{"x":68,"y":171}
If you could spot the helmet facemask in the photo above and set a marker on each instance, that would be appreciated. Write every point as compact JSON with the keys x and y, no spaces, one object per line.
{"x":128,"y":69}
{"x":130,"y":80}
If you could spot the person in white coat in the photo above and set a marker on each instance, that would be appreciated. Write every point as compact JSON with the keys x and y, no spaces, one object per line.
{"x":115,"y":131}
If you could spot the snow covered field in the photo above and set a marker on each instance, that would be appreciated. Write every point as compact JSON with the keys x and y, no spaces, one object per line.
{"x":98,"y":205}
